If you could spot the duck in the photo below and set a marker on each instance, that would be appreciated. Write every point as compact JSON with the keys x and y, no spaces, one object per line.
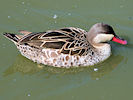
{"x":67,"y":47}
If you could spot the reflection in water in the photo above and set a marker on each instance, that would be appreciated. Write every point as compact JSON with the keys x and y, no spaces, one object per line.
{"x":25,"y":66}
{"x":129,"y":45}
{"x":22,"y":65}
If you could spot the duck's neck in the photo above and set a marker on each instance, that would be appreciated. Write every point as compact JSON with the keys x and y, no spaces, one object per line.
{"x":103,"y":51}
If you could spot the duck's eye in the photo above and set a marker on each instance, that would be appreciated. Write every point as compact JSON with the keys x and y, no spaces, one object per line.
{"x":105,"y":32}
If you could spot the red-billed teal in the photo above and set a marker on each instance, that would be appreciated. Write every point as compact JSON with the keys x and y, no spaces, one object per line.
{"x":67,"y":47}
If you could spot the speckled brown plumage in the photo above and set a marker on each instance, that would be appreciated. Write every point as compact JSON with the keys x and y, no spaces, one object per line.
{"x":65,"y":47}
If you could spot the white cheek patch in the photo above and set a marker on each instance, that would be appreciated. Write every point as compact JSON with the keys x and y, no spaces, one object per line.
{"x":102,"y":38}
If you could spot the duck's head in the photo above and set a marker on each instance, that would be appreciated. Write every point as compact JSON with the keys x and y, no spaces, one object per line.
{"x":102,"y":33}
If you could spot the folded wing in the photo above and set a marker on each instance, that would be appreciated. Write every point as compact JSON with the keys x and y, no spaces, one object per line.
{"x":68,"y":40}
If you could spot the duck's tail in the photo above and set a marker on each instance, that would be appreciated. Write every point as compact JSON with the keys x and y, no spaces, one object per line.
{"x":11,"y":37}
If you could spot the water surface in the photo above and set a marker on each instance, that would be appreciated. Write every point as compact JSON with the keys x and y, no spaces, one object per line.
{"x":22,"y":79}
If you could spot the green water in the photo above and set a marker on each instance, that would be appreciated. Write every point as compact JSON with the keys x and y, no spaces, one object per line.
{"x":21,"y":79}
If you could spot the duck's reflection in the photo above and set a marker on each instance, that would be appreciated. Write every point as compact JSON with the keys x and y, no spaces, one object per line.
{"x":25,"y":66}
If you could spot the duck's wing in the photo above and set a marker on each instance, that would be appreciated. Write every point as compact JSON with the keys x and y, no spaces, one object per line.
{"x":68,"y":40}
{"x":24,"y":32}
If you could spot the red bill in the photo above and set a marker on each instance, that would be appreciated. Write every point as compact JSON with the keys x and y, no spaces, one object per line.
{"x":119,"y":40}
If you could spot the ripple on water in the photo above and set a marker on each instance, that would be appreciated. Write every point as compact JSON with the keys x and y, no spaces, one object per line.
{"x":23,"y":3}
{"x":9,"y":17}
{"x":28,"y":94}
{"x":55,"y":16}
{"x":95,"y":69}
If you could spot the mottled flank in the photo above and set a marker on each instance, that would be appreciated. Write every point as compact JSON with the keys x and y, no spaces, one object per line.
{"x":54,"y":58}
{"x":65,"y":47}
